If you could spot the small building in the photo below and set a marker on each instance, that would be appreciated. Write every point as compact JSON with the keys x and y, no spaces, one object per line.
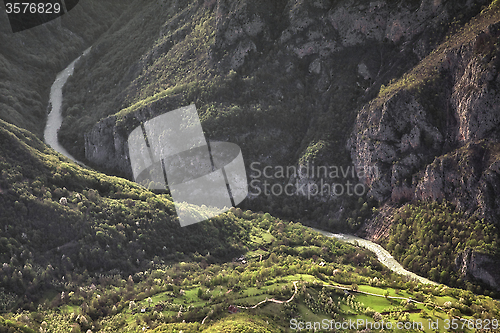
{"x":241,"y":259}
{"x":233,"y":309}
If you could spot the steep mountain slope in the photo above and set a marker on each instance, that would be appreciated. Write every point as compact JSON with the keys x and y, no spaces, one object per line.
{"x":86,"y":251}
{"x":286,"y":80}
{"x":448,"y":103}
{"x":30,"y":60}
{"x":81,"y":250}
{"x":433,"y":134}
{"x":282,"y":80}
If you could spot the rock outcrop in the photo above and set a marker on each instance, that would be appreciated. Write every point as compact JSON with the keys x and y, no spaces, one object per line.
{"x":438,"y":140}
{"x":480,"y":266}
{"x":434,"y":136}
{"x":330,"y":54}
{"x":468,"y":177}
{"x":397,"y":138}
{"x":106,"y":144}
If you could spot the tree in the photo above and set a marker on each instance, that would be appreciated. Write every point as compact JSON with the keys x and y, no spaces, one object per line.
{"x":434,"y":274}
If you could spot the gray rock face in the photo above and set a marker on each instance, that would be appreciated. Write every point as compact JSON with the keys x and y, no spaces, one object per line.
{"x":322,"y":28}
{"x":402,"y":137}
{"x":390,"y":137}
{"x":379,"y":20}
{"x":468,"y":177}
{"x":475,"y":98}
{"x":479,"y":266}
{"x":106,"y":144}
{"x":291,"y":35}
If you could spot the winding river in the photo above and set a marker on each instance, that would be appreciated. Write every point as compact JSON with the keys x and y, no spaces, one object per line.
{"x":382,"y":254}
{"x":55,"y":119}
{"x":54,"y":122}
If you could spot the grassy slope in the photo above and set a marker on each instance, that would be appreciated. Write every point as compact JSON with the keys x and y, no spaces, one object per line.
{"x":108,"y":224}
{"x":109,"y":219}
{"x":88,"y":248}
{"x":189,"y":293}
{"x":112,"y":228}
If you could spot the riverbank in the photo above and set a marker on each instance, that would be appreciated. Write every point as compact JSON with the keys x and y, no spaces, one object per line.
{"x":382,"y":254}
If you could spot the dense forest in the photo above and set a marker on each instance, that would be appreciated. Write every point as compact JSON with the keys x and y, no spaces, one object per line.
{"x":427,"y":238}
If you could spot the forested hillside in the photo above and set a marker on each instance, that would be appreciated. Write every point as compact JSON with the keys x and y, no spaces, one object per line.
{"x":60,"y":219}
{"x":85,"y":251}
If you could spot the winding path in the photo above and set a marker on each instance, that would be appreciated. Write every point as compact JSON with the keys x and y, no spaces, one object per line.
{"x":337,"y":287}
{"x":265,"y":301}
{"x":271,"y":300}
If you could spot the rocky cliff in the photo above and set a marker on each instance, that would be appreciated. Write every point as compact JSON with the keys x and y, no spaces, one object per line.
{"x":106,"y":144}
{"x":437,"y":139}
{"x":408,"y":87}
{"x":433,"y":135}
{"x":480,"y":266}
{"x":322,"y":58}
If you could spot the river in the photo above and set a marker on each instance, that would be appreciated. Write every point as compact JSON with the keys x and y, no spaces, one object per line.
{"x":54,"y":122}
{"x":382,"y":254}
{"x":55,"y":119}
